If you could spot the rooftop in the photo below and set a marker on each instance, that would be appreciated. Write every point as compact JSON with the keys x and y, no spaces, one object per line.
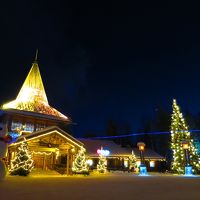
{"x":32,"y":96}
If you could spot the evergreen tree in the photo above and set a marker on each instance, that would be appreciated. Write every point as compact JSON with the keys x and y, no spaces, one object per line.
{"x":133,"y":162}
{"x":79,"y":165}
{"x":101,"y":166}
{"x":22,"y":164}
{"x":179,"y":133}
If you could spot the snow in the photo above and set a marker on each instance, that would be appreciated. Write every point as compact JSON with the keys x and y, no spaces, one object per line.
{"x":111,"y":186}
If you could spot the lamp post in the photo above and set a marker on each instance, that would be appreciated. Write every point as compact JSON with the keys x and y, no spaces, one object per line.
{"x":143,"y":168}
{"x":188,"y":167}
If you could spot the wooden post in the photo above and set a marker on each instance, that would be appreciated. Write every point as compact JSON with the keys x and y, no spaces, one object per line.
{"x":68,"y":161}
{"x":44,"y":162}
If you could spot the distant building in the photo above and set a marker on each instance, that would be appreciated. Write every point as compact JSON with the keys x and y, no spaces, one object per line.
{"x":118,"y":157}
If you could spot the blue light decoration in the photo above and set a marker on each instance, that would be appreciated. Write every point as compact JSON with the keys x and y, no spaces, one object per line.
{"x":14,"y":136}
{"x":188,"y":170}
{"x":143,"y":170}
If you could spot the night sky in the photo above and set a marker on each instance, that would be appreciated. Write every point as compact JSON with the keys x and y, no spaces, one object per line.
{"x":102,"y":61}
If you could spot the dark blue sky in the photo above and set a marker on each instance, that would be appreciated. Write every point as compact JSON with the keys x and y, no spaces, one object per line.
{"x":102,"y":61}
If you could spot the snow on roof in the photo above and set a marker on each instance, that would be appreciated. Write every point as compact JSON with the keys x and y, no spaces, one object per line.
{"x":92,"y":145}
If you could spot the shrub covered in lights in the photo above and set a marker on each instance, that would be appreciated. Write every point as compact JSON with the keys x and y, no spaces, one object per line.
{"x":22,"y":164}
{"x":80,"y":165}
{"x":101,"y":166}
{"x":179,"y":133}
{"x":133,"y":162}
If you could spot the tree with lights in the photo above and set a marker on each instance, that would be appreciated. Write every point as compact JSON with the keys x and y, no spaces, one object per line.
{"x":101,"y":166}
{"x":22,"y":164}
{"x":80,"y":165}
{"x":180,"y":133}
{"x":133,"y":162}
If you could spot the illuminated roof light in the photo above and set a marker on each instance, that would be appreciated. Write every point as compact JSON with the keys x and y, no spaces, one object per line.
{"x":32,"y":96}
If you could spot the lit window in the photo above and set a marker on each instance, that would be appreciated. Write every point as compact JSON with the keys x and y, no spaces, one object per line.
{"x":16,"y":125}
{"x":152,"y":163}
{"x":89,"y":162}
{"x":126,"y":163}
{"x":138,"y":163}
{"x":39,"y":127}
{"x":28,"y":127}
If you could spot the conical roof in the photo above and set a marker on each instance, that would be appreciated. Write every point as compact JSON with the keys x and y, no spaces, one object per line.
{"x":32,"y":96}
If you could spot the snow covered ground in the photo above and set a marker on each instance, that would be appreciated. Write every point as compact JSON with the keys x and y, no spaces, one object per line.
{"x":111,"y":186}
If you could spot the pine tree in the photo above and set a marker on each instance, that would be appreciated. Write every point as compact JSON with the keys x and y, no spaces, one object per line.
{"x":79,"y":165}
{"x":180,"y":133}
{"x":133,"y":162}
{"x":101,"y":166}
{"x":22,"y":164}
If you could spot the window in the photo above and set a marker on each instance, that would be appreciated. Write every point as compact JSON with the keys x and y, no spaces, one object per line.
{"x":39,"y":127}
{"x":16,"y":125}
{"x":152,"y":163}
{"x":28,"y":127}
{"x":126,"y":163}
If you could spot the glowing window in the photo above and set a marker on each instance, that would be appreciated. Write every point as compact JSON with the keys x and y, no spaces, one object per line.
{"x":152,"y":163}
{"x":16,"y":125}
{"x":29,"y":127}
{"x":89,"y":162}
{"x":39,"y":127}
{"x":126,"y":163}
{"x":138,"y":163}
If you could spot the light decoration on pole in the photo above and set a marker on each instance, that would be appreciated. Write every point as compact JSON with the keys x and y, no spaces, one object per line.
{"x":22,"y":164}
{"x":80,"y":165}
{"x":102,"y":164}
{"x":143,"y":168}
{"x":188,"y":167}
{"x":180,"y":133}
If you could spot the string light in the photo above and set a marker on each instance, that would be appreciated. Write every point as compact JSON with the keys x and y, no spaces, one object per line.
{"x":101,"y":166}
{"x":80,"y":163}
{"x":57,"y":152}
{"x":179,"y":133}
{"x":22,"y":164}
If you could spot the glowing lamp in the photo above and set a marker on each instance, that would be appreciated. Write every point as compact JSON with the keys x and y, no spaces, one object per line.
{"x":89,"y":162}
{"x":141,"y":146}
{"x":185,"y":144}
{"x":72,"y":150}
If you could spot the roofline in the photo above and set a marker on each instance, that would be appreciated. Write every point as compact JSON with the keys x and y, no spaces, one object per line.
{"x":47,"y":131}
{"x":40,"y":115}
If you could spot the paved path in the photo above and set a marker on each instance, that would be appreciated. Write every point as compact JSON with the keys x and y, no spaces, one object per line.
{"x":100,"y":187}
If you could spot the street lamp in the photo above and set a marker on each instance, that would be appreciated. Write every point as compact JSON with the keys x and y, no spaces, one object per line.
{"x":188,"y":167}
{"x":143,"y":168}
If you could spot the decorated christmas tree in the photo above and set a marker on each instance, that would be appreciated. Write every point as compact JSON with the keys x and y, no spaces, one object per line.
{"x":22,"y":164}
{"x":80,"y":165}
{"x":133,"y":162}
{"x":179,"y":134}
{"x":101,"y":166}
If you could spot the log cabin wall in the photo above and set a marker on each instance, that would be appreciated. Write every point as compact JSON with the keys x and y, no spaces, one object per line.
{"x":50,"y":152}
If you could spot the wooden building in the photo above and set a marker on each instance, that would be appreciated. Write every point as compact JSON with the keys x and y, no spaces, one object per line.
{"x":52,"y":149}
{"x":30,"y":117}
{"x":118,"y":157}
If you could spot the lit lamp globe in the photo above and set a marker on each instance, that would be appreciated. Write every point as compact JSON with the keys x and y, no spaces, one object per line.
{"x":141,"y":146}
{"x":143,"y":168}
{"x":185,"y":145}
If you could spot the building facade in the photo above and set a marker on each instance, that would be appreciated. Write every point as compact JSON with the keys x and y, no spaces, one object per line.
{"x":30,"y":117}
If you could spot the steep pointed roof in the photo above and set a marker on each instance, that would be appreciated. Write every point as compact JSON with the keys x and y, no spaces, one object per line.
{"x":32,"y":96}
